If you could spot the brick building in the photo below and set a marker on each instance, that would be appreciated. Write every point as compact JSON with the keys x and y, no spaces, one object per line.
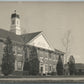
{"x":47,"y":55}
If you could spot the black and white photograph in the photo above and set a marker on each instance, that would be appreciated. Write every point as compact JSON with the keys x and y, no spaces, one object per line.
{"x":41,"y":42}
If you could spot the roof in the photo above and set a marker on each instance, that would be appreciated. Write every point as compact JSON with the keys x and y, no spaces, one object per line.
{"x":19,"y":38}
{"x":79,"y":66}
{"x":13,"y":36}
{"x":58,"y":51}
{"x":29,"y":36}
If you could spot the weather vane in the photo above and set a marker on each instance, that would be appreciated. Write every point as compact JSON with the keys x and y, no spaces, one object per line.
{"x":15,"y":11}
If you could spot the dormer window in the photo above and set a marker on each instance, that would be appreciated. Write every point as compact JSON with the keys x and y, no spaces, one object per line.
{"x":13,"y":22}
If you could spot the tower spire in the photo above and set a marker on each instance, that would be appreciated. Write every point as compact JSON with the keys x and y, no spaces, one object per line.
{"x":15,"y":23}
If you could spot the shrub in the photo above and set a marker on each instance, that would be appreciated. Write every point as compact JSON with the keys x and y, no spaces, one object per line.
{"x":72,"y":69}
{"x":60,"y":66}
{"x":8,"y":59}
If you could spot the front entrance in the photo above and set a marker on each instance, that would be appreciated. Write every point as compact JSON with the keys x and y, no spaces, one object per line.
{"x":42,"y":69}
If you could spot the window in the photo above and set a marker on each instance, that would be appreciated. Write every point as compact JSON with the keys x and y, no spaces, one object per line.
{"x":41,"y":69}
{"x":49,"y":68}
{"x":13,"y":22}
{"x":54,"y":66}
{"x":19,"y":50}
{"x":50,"y":55}
{"x":46,"y":67}
{"x":57,"y":56}
{"x":41,"y":59}
{"x":19,"y":65}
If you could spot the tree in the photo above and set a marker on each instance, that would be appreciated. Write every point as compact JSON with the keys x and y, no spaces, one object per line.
{"x":8,"y":59}
{"x":24,"y":47}
{"x":24,"y":37}
{"x":72,"y":65}
{"x":59,"y":67}
{"x":33,"y":62}
{"x":25,"y":52}
{"x":66,"y":43}
{"x":33,"y":53}
{"x":34,"y":66}
{"x":26,"y":65}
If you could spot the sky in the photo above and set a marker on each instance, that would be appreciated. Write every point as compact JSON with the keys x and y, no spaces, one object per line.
{"x":53,"y":18}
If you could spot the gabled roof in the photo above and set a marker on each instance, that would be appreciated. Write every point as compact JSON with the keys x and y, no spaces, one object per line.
{"x":21,"y":38}
{"x":13,"y":36}
{"x":29,"y":36}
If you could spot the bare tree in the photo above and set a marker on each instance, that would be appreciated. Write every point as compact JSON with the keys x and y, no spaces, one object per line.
{"x":66,"y":43}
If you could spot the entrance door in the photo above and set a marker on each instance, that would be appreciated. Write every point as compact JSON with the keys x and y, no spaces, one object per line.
{"x":41,"y":70}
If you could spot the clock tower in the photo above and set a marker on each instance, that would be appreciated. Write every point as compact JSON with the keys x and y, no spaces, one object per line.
{"x":15,"y":23}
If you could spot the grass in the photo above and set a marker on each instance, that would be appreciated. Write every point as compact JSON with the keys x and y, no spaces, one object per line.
{"x":41,"y":81}
{"x":30,"y":76}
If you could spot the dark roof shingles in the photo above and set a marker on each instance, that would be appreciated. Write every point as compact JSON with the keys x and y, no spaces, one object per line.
{"x":29,"y":36}
{"x":13,"y":36}
{"x":19,"y":38}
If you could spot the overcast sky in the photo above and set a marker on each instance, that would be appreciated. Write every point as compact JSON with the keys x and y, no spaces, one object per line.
{"x":53,"y":18}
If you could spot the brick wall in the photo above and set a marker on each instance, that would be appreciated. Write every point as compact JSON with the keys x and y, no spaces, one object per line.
{"x":48,"y":60}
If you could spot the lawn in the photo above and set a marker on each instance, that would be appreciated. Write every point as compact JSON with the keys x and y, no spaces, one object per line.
{"x":41,"y":79}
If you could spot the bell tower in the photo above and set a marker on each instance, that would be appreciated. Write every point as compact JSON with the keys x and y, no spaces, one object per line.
{"x":15,"y":23}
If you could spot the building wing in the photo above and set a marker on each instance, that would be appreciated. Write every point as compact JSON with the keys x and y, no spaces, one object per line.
{"x":4,"y":34}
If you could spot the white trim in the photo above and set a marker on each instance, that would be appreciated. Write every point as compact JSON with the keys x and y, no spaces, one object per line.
{"x":44,"y":35}
{"x":52,"y":48}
